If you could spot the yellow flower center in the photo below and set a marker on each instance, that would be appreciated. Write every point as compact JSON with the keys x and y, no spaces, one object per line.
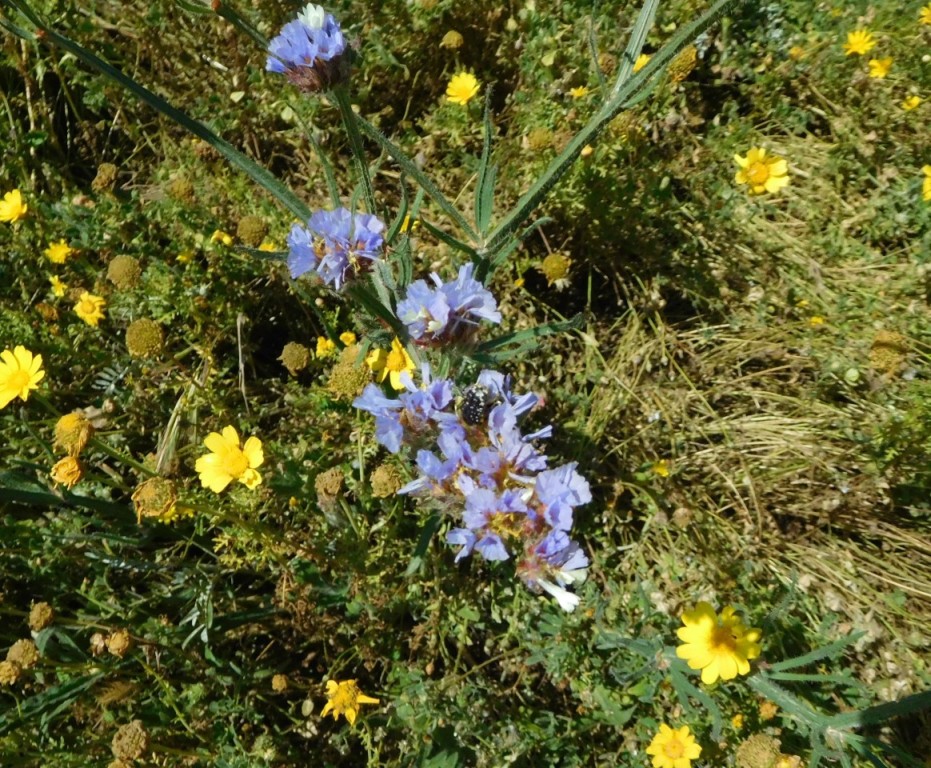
{"x":758,"y":173}
{"x":673,"y":749}
{"x":18,"y":381}
{"x":396,"y":361}
{"x":235,"y":462}
{"x":723,"y":639}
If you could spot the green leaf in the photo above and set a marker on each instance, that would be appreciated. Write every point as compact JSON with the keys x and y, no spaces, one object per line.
{"x":48,"y":703}
{"x":530,"y":334}
{"x":638,"y":37}
{"x":487,"y":175}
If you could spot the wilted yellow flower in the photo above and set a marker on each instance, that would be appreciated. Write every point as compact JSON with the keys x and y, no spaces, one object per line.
{"x":348,"y":338}
{"x":859,"y":42}
{"x":20,"y":373}
{"x":641,"y":61}
{"x":219,"y":236}
{"x":344,"y":698}
{"x":391,"y":364}
{"x":72,"y":431}
{"x":926,"y":183}
{"x":578,"y":93}
{"x":325,"y":347}
{"x":673,"y":748}
{"x":67,"y":472}
{"x":924,"y":15}
{"x":58,"y":287}
{"x":12,"y":207}
{"x":462,"y":87}
{"x":761,"y":173}
{"x":119,"y":643}
{"x":58,"y":252}
{"x":227,"y":461}
{"x":719,"y":647}
{"x":90,"y":308}
{"x":912,"y":102}
{"x":879,"y":68}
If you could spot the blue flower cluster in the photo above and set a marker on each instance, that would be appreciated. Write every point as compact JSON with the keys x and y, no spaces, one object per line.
{"x":447,"y":311}
{"x":338,"y":245}
{"x":511,"y":503}
{"x":309,"y":50}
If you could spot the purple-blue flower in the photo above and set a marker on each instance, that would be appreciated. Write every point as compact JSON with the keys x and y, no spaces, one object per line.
{"x":559,"y":491}
{"x":447,"y":311}
{"x":302,"y":256}
{"x":349,"y":240}
{"x":309,"y":50}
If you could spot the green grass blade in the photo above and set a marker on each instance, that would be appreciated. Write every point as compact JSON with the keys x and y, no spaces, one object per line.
{"x":487,"y":173}
{"x":638,"y":37}
{"x":236,"y":158}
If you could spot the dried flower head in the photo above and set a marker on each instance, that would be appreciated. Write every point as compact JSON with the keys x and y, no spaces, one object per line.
{"x":251,"y":231}
{"x":452,"y":40}
{"x":682,"y":64}
{"x":295,"y":357}
{"x":24,"y":653}
{"x":98,"y":644}
{"x":555,"y":268}
{"x":181,"y":189}
{"x":156,"y":497}
{"x":41,"y":615}
{"x":279,"y":683}
{"x":349,"y":376}
{"x":888,"y":352}
{"x":131,"y":741}
{"x":386,"y":481}
{"x":124,"y":272}
{"x":119,"y":643}
{"x":72,"y":433}
{"x":145,"y":338}
{"x":105,"y":178}
{"x":329,"y":485}
{"x":67,"y":472}
{"x":759,"y":751}
{"x":9,"y":672}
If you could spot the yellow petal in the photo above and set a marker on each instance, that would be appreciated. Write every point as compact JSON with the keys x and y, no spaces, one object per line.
{"x":252,"y":449}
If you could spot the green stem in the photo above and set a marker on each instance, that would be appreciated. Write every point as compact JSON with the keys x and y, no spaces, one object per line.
{"x":341,"y":94}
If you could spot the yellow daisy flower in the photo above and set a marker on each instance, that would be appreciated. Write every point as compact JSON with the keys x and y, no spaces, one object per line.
{"x":924,"y":15}
{"x":879,"y":68}
{"x":912,"y":102}
{"x":58,"y":252}
{"x":761,"y":173}
{"x":20,"y":372}
{"x":391,"y":364}
{"x":673,"y":748}
{"x":90,"y":308}
{"x":219,"y":236}
{"x":227,"y":461}
{"x":325,"y":347}
{"x":348,"y":338}
{"x":58,"y":287}
{"x":12,"y":207}
{"x":344,"y":698}
{"x":719,"y":647}
{"x":859,"y":42}
{"x":578,"y":93}
{"x":462,"y":87}
{"x":641,"y":61}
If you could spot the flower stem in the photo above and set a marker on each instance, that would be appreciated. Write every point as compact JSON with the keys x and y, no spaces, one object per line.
{"x":341,"y":95}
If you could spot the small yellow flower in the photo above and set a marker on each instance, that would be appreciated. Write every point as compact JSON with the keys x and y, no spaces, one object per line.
{"x":68,"y":472}
{"x":859,"y":42}
{"x":912,"y":102}
{"x":344,"y":698}
{"x":796,"y":52}
{"x":673,"y":748}
{"x":661,"y":468}
{"x":20,"y":372}
{"x":219,"y":236}
{"x":325,"y":347}
{"x":768,"y":710}
{"x":578,"y":93}
{"x":391,"y":364}
{"x":227,"y":461}
{"x":58,"y":287}
{"x":90,"y":308}
{"x":12,"y":207}
{"x":348,"y":338}
{"x":185,"y":257}
{"x":267,"y":245}
{"x":641,"y":61}
{"x":761,"y":173}
{"x":409,"y":226}
{"x":926,"y":183}
{"x":815,"y":320}
{"x":462,"y":87}
{"x":879,"y":68}
{"x":737,"y":721}
{"x":719,"y":647}
{"x":924,"y":15}
{"x":58,"y":252}
{"x":586,"y":151}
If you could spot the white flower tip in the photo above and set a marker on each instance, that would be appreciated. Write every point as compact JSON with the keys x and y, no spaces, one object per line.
{"x":312,"y":16}
{"x":567,"y":601}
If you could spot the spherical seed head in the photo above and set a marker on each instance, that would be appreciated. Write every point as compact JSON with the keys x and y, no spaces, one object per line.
{"x":280,"y":683}
{"x":555,"y":268}
{"x":295,"y":357}
{"x":119,"y":643}
{"x":72,"y":432}
{"x":124,"y":272}
{"x":608,"y":63}
{"x":40,"y":616}
{"x":386,"y":480}
{"x":452,"y":40}
{"x":329,"y":484}
{"x":683,"y":64}
{"x":539,"y":139}
{"x":105,"y":178}
{"x":888,"y":352}
{"x":144,"y":338}
{"x":181,"y":189}
{"x":155,"y":497}
{"x":9,"y":672}
{"x":131,"y":741}
{"x":349,"y":376}
{"x":24,"y":653}
{"x":759,"y":751}
{"x":251,"y":231}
